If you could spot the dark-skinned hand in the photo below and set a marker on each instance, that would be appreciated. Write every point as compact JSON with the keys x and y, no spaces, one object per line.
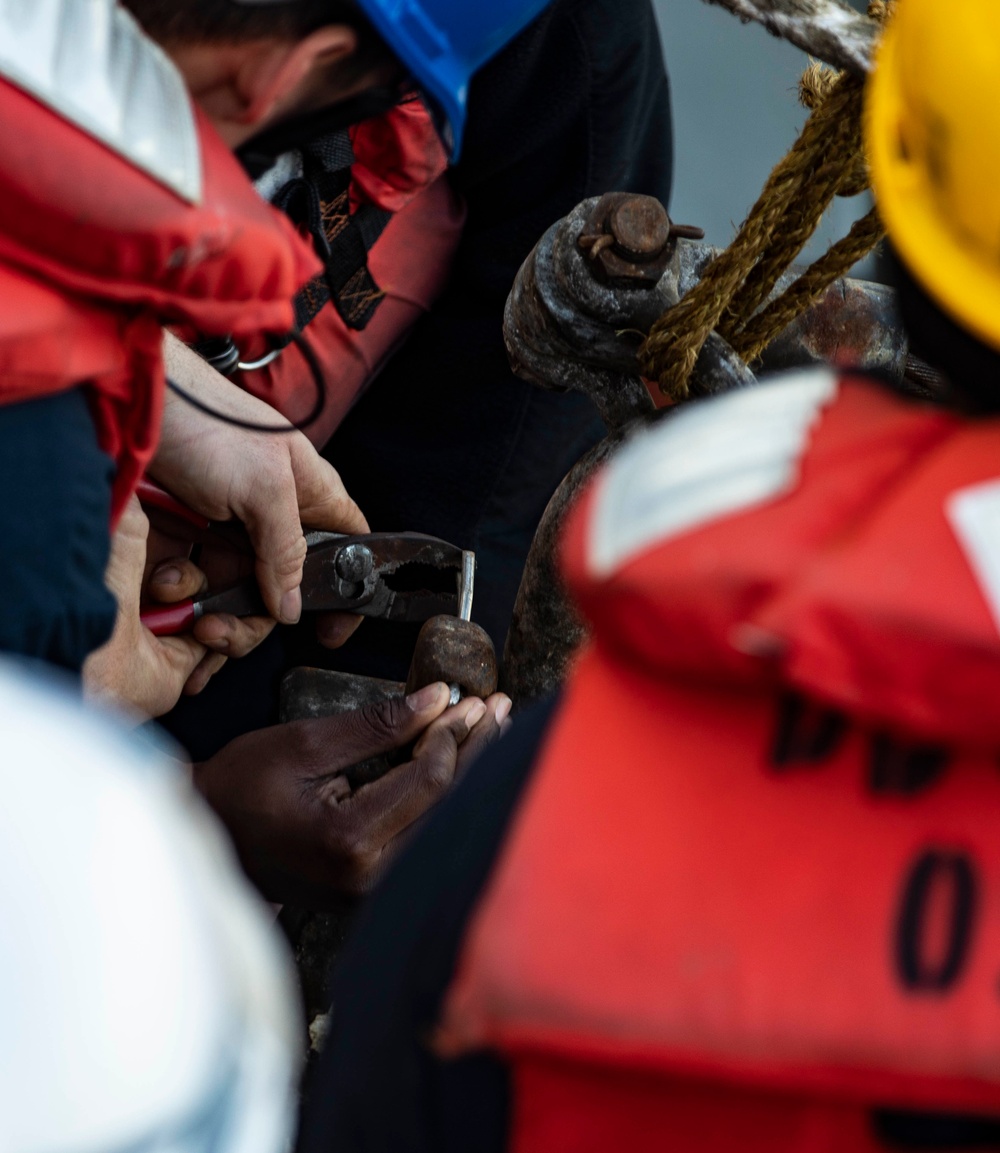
{"x":303,"y":834}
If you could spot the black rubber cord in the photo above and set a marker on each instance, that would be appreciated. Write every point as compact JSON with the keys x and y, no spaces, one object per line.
{"x":252,"y":426}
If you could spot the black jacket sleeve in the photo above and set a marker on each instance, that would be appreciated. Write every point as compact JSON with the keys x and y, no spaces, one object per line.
{"x":377,"y":1086}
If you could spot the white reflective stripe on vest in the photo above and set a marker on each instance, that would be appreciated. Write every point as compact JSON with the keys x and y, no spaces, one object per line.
{"x":974,"y":516}
{"x":713,"y":458}
{"x":89,"y":61}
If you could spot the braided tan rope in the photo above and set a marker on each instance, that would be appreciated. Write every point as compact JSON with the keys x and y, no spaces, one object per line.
{"x":825,"y":161}
{"x":836,"y":262}
{"x":818,"y":172}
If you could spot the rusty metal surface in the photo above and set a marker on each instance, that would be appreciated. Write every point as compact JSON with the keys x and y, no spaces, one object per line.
{"x":568,"y":326}
{"x":457,"y":652}
{"x":830,"y":30}
{"x":630,"y":239}
{"x":575,"y":322}
{"x":854,"y":323}
{"x":545,"y":629}
{"x":566,"y":329}
{"x":307,"y":693}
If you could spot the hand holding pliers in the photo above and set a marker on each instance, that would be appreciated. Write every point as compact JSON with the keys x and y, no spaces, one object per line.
{"x":394,"y":576}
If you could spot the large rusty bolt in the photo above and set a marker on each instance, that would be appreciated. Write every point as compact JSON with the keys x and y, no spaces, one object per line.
{"x":457,"y":652}
{"x":639,"y":227}
{"x":629,"y":240}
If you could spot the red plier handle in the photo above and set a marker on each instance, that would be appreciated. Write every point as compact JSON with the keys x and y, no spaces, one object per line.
{"x":175,"y":518}
{"x":151,"y":496}
{"x":242,"y":600}
{"x":169,"y":620}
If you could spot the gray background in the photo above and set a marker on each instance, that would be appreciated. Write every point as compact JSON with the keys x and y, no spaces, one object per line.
{"x":736,"y":113}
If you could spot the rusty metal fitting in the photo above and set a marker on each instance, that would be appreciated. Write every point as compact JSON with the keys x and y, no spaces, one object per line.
{"x":457,"y":652}
{"x":630,"y":239}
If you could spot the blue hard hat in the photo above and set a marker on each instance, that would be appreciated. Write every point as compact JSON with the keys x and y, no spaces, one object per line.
{"x":443,"y":43}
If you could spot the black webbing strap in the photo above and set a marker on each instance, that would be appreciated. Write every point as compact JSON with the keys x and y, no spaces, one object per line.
{"x":319,"y":200}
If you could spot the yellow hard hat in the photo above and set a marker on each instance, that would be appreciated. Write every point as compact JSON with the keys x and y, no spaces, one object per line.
{"x":932,"y":127}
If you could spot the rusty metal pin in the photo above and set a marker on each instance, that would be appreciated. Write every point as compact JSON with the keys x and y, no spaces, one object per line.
{"x":595,"y":245}
{"x":466,"y":585}
{"x":686,"y":232}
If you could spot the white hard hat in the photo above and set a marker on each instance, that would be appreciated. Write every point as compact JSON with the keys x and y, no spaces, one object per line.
{"x":146,"y":1003}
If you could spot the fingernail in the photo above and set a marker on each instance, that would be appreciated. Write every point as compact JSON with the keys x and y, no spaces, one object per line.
{"x":426,"y":698}
{"x":169,"y":575}
{"x":475,"y":714}
{"x":291,"y":607}
{"x":503,"y":710}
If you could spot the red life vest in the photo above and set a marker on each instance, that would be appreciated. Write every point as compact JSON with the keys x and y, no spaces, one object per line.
{"x":399,"y":166}
{"x":753,"y":889}
{"x":96,"y":254}
{"x":396,"y":156}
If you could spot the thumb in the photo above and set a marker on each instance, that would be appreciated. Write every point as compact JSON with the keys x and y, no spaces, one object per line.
{"x":177,"y":579}
{"x":274,"y":516}
{"x":272,"y":521}
{"x":384,"y":725}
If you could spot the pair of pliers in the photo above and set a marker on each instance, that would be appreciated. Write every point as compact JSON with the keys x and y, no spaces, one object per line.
{"x":396,"y":576}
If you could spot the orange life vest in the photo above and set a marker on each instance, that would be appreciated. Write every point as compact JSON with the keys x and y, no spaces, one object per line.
{"x":96,"y":251}
{"x":753,"y":889}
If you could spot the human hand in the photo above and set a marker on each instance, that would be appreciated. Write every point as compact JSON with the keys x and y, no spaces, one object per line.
{"x":136,"y":672}
{"x":221,"y":568}
{"x":302,"y":833}
{"x":274,"y":484}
